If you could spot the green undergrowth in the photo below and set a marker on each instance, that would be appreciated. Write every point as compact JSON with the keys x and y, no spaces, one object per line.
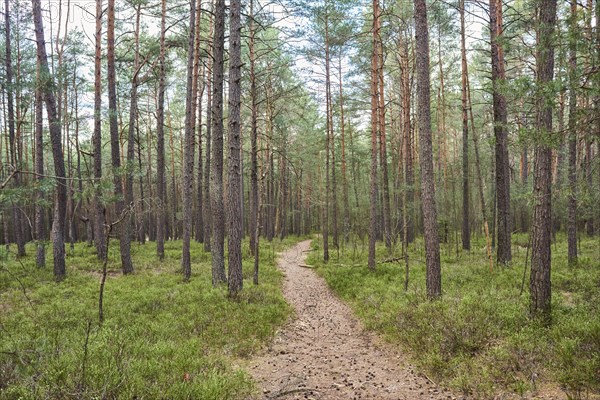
{"x":478,"y":339}
{"x":161,"y":338}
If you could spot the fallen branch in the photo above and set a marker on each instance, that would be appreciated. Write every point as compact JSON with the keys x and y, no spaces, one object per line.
{"x":306,"y":266}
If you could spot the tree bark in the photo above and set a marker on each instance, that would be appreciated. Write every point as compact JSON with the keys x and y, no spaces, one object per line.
{"x":432,"y":249}
{"x":466,"y":228}
{"x":373,"y":194}
{"x":346,"y":211}
{"x":573,"y":83}
{"x":47,"y":85}
{"x":540,"y":286}
{"x":160,"y":141}
{"x":40,"y":223}
{"x":501,"y":134}
{"x":120,"y":207}
{"x":189,"y":148}
{"x":216,"y":177}
{"x":14,"y":159}
{"x":234,"y":164}
{"x":253,"y":224}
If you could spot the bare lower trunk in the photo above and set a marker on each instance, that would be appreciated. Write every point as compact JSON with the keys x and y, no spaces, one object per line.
{"x":540,"y":287}
{"x":234,"y":164}
{"x":572,"y":205}
{"x":216,"y":177}
{"x":432,"y":249}
{"x":190,"y":147}
{"x":47,"y":85}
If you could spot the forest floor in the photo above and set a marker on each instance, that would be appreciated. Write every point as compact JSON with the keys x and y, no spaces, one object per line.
{"x":325,"y":352}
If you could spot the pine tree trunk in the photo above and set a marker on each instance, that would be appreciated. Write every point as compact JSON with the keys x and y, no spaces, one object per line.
{"x":40,"y":223}
{"x":432,"y":249}
{"x":346,"y":211}
{"x":573,"y":83}
{"x":190,"y":146}
{"x":216,"y":177}
{"x":466,"y":229}
{"x":407,"y":144}
{"x":120,"y":207}
{"x":328,"y":129}
{"x":14,"y":160}
{"x":47,"y":85}
{"x":160,"y":141}
{"x":234,"y":164}
{"x":540,"y":286}
{"x":385,"y":185}
{"x":501,"y":134}
{"x":254,"y":210}
{"x":373,"y":194}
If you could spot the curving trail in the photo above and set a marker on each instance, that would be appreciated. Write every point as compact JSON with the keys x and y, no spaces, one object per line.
{"x":324,"y":353}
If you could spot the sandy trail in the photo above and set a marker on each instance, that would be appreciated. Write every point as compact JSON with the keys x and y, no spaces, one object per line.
{"x":325,"y":353}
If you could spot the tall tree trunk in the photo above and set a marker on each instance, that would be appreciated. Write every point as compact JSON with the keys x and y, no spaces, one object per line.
{"x":190,"y":147}
{"x":47,"y":86}
{"x":540,"y":287}
{"x":500,"y":133}
{"x":14,"y":159}
{"x":216,"y":177}
{"x":120,"y":208}
{"x":573,"y":83}
{"x":374,"y":135}
{"x":234,"y":164}
{"x":346,"y":211}
{"x":99,"y":236}
{"x":409,"y":178}
{"x":132,"y":127}
{"x":40,"y":223}
{"x":479,"y":177}
{"x":466,"y":229}
{"x":253,"y":223}
{"x":329,"y":128}
{"x":160,"y":141}
{"x":432,"y":249}
{"x":385,"y":185}
{"x":206,"y":207}
{"x":199,"y":227}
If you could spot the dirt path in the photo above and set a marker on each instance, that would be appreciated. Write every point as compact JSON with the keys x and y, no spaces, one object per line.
{"x":325,"y":353}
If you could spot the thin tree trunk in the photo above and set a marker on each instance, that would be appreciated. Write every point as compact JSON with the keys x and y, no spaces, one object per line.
{"x":540,"y":287}
{"x":234,"y":164}
{"x":14,"y":160}
{"x":374,"y":135}
{"x":132,"y":127}
{"x":216,"y":178}
{"x":346,"y":211}
{"x":501,"y":134}
{"x":120,"y":207}
{"x":40,"y":223}
{"x":160,"y":141}
{"x":407,"y":141}
{"x":385,"y":185}
{"x":466,"y":228}
{"x":432,"y":249}
{"x":47,"y":85}
{"x":573,"y":83}
{"x":190,"y":147}
{"x":97,"y":139}
{"x":328,"y":133}
{"x":253,"y":223}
